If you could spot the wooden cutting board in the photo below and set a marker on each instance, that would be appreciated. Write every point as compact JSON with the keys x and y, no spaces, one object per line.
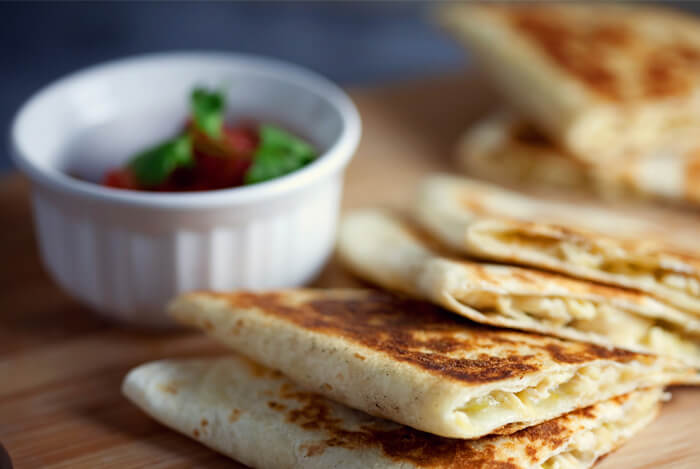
{"x":61,"y":366}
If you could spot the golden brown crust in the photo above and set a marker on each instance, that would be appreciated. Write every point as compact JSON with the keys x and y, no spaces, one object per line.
{"x":606,"y":47}
{"x":422,"y":449}
{"x":268,"y":421}
{"x":424,"y":335}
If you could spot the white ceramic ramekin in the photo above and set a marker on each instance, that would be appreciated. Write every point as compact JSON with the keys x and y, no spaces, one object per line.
{"x":126,"y":253}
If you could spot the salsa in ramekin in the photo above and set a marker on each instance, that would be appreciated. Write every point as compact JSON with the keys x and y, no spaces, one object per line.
{"x":211,"y":154}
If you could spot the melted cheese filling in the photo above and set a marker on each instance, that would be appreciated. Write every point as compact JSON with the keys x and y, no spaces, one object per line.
{"x":586,"y":447}
{"x":623,"y":328}
{"x":553,"y":395}
{"x":609,"y":259}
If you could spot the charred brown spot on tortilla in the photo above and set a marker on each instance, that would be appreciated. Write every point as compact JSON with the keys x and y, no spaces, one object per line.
{"x":169,"y":388}
{"x":576,"y":50}
{"x":258,"y":370}
{"x":619,"y":400}
{"x":588,"y":412}
{"x":313,"y":449}
{"x":234,"y":415}
{"x":276,"y":405}
{"x":510,"y":428}
{"x":357,"y":355}
{"x":314,"y":414}
{"x":204,"y":422}
{"x":472,"y":203}
{"x":527,"y":134}
{"x":410,"y":331}
{"x":663,"y":75}
{"x":551,"y":433}
{"x":424,"y":335}
{"x":195,"y":433}
{"x":532,"y":453}
{"x":604,"y":54}
{"x":236,"y":329}
{"x":671,"y":71}
{"x":587,"y":352}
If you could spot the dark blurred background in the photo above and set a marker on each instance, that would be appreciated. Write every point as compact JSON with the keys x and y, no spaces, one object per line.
{"x":351,"y":43}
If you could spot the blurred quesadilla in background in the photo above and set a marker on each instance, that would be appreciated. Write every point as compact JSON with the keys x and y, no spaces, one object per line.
{"x":600,"y":79}
{"x":260,"y":418}
{"x":504,"y":148}
{"x":412,"y":362}
{"x":385,"y":250}
{"x":488,"y":222}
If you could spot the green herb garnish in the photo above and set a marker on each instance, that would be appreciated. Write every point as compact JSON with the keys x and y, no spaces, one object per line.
{"x":153,"y":166}
{"x":208,"y":111}
{"x":279,"y":153}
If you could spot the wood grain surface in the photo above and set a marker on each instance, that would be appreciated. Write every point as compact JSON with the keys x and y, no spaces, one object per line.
{"x":61,"y":365}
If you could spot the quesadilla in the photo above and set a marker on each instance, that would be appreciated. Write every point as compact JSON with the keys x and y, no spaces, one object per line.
{"x":386,"y":250}
{"x":493,"y":223}
{"x":261,"y":419}
{"x":505,"y":148}
{"x":599,"y":79}
{"x":413,"y":363}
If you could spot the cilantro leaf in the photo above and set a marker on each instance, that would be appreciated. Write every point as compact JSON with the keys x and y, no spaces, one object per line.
{"x":153,"y":166}
{"x":208,"y":111}
{"x":279,"y":153}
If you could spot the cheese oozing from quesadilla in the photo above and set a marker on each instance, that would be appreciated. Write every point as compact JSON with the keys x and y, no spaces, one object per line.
{"x":602,"y":80}
{"x":389,"y":251}
{"x":492,"y":223}
{"x":414,"y":363}
{"x":262,"y":419}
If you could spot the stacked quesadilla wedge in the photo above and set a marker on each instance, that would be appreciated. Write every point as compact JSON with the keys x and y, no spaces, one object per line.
{"x":388,"y":251}
{"x":602,"y":80}
{"x":496,"y":224}
{"x":262,"y":419}
{"x":505,"y":148}
{"x":411,"y":362}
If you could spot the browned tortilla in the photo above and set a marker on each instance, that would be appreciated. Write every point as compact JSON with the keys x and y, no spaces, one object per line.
{"x":260,"y":418}
{"x":601,"y":79}
{"x":411,"y":362}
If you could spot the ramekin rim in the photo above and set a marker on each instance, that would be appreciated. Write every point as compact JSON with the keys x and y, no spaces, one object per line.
{"x":329,"y":162}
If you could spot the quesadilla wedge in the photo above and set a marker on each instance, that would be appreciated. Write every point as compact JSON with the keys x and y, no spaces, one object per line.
{"x":386,"y":250}
{"x":599,"y":79}
{"x":505,"y":148}
{"x":260,"y":418}
{"x":412,"y":362}
{"x":493,"y":223}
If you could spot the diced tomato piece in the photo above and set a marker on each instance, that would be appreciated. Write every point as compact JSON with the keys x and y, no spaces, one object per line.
{"x":217,"y":172}
{"x":120,"y":179}
{"x":243,"y":139}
